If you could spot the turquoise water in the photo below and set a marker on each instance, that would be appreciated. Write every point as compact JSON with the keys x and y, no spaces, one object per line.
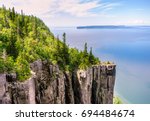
{"x":129,"y":49}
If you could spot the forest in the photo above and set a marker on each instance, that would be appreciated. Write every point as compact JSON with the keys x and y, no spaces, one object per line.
{"x":25,"y":39}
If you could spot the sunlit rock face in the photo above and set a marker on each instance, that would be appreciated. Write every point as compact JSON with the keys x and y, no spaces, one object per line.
{"x":97,"y":84}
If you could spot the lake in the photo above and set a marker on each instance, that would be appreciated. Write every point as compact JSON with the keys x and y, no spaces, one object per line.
{"x":129,"y":49}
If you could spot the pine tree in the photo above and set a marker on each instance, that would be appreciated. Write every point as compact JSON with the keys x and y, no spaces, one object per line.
{"x":58,"y":43}
{"x":64,"y":39}
{"x":58,"y":53}
{"x":22,"y":19}
{"x":10,"y":14}
{"x":6,"y":24}
{"x":26,"y":26}
{"x":65,"y":51}
{"x":91,"y":57}
{"x":18,"y":27}
{"x":85,"y":50}
{"x":13,"y":14}
{"x":35,"y":28}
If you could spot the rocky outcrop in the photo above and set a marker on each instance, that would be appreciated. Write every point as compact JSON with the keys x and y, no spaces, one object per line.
{"x":96,"y":85}
{"x":13,"y":91}
{"x":49,"y":85}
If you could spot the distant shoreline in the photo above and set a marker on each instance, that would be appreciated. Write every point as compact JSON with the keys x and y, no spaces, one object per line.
{"x":110,"y":27}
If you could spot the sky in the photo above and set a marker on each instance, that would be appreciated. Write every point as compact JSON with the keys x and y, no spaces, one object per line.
{"x":65,"y":13}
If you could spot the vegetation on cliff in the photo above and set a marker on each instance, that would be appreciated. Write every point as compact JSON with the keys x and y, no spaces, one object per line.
{"x":24,"y":39}
{"x":117,"y":100}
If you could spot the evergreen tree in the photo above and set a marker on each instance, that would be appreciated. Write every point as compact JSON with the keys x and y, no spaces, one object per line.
{"x":35,"y":28}
{"x":22,"y":19}
{"x":91,"y":57}
{"x":18,"y":28}
{"x":65,"y":51}
{"x":64,"y":39}
{"x":58,"y":52}
{"x":26,"y":21}
{"x":6,"y":24}
{"x":18,"y":37}
{"x":85,"y":49}
{"x":13,"y":14}
{"x":12,"y":48}
{"x":10,"y":14}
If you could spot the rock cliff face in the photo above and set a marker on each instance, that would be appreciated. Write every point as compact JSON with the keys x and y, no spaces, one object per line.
{"x":49,"y":85}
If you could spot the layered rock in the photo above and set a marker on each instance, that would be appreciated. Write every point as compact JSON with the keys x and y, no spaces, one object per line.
{"x":49,"y":85}
{"x":97,"y":84}
{"x":13,"y":91}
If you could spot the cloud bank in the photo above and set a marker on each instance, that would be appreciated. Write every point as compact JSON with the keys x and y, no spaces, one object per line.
{"x":76,"y":8}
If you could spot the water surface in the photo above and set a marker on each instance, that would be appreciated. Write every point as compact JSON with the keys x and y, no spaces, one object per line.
{"x":129,"y":49}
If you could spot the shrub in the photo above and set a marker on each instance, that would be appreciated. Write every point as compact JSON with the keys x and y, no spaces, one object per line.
{"x":117,"y":100}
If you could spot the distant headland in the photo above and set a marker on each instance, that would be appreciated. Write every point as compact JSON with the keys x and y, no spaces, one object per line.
{"x":110,"y":27}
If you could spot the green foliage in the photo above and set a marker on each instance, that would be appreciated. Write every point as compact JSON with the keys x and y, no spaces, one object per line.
{"x":85,"y":49}
{"x":2,"y":65}
{"x":26,"y":39}
{"x":7,"y":65}
{"x":65,"y":52}
{"x":74,"y":59}
{"x":117,"y":100}
{"x":22,"y":68}
{"x":87,"y":59}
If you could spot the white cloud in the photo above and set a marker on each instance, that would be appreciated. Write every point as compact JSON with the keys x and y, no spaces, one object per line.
{"x":76,"y":8}
{"x":35,"y":7}
{"x":54,"y":7}
{"x":109,"y":6}
{"x":58,"y":11}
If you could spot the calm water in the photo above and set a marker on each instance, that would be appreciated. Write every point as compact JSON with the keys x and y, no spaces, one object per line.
{"x":128,"y":48}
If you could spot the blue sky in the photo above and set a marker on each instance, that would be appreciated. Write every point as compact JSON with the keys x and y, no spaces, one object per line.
{"x":85,"y":12}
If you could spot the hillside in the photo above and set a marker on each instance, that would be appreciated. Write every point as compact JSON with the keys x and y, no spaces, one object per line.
{"x":25,"y":39}
{"x":38,"y":68}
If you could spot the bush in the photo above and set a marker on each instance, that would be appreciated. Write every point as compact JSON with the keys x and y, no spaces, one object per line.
{"x":117,"y":100}
{"x":2,"y":65}
{"x":9,"y":65}
{"x":22,"y":69}
{"x":6,"y":65}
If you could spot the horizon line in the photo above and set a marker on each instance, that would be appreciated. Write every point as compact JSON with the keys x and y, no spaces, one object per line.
{"x":99,"y":25}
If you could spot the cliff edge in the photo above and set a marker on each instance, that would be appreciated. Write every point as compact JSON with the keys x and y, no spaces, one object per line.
{"x":49,"y":85}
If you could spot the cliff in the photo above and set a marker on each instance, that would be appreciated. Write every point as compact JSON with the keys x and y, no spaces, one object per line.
{"x":49,"y":85}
